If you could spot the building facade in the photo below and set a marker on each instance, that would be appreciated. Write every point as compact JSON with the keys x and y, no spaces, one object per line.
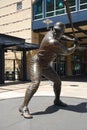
{"x":45,"y":14}
{"x":31,"y":19}
{"x":15,"y":20}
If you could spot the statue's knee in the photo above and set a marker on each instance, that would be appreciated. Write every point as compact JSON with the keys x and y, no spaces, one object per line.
{"x":57,"y":82}
{"x":34,"y":85}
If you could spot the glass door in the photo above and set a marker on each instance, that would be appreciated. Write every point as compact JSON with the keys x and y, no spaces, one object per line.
{"x":78,"y":64}
{"x":60,"y":65}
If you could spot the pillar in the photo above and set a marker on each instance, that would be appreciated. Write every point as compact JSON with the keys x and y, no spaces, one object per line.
{"x":24,"y":78}
{"x":1,"y":65}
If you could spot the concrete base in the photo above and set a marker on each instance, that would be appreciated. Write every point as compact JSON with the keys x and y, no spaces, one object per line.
{"x":46,"y":116}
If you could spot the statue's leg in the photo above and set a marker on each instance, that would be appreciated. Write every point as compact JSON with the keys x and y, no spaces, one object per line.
{"x":35,"y":74}
{"x":53,"y":76}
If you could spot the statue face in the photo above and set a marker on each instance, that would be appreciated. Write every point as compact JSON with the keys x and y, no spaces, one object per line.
{"x":59,"y":29}
{"x":58,"y":33}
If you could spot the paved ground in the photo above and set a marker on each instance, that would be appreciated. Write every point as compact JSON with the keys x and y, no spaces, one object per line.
{"x":46,"y":116}
{"x":69,"y":89}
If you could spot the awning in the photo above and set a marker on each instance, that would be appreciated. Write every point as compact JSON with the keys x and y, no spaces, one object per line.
{"x":8,"y":41}
{"x":27,"y":46}
{"x":15,"y":43}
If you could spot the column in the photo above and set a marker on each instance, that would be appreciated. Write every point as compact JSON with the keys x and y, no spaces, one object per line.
{"x":24,"y":66}
{"x":1,"y":65}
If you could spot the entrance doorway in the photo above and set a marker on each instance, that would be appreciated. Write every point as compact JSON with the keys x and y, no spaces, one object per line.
{"x":11,"y":69}
{"x":78,"y":64}
{"x":13,"y":65}
{"x":60,"y":65}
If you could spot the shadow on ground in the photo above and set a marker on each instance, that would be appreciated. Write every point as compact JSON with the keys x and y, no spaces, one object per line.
{"x":81,"y":108}
{"x":46,"y":116}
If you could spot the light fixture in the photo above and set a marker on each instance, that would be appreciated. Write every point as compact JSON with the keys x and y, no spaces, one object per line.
{"x":60,"y":5}
{"x":47,"y":22}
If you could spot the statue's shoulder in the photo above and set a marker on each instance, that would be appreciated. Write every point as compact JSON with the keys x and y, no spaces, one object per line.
{"x":47,"y":38}
{"x":49,"y":34}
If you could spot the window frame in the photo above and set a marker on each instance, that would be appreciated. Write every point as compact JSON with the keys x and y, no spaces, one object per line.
{"x":38,"y":13}
{"x":62,"y":9}
{"x":59,"y":10}
{"x":44,"y":13}
{"x":82,"y":5}
{"x":49,"y":11}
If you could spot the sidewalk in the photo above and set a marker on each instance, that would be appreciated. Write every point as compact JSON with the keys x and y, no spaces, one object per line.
{"x":46,"y":115}
{"x":69,"y":89}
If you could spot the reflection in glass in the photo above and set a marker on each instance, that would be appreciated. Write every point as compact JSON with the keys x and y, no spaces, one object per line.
{"x":83,"y":4}
{"x":49,"y":8}
{"x":60,"y":7}
{"x":37,"y":9}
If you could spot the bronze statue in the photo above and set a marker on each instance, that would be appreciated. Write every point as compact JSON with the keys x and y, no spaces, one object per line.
{"x":50,"y":47}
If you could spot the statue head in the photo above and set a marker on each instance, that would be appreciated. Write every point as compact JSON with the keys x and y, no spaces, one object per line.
{"x":58,"y":30}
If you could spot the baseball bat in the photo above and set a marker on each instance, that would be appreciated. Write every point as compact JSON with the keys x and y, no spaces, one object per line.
{"x":69,"y":16}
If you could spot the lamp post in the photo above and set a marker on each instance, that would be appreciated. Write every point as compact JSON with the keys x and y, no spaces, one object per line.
{"x":47,"y":22}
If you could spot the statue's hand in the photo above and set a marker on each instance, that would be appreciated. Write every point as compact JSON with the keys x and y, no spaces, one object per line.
{"x":76,"y":42}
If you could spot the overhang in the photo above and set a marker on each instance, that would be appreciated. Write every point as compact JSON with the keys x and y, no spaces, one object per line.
{"x":15,"y":43}
{"x":7,"y":41}
{"x":28,"y":46}
{"x":24,"y":47}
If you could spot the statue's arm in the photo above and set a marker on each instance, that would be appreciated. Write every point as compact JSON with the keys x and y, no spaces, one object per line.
{"x":66,"y":51}
{"x":70,"y":50}
{"x":64,"y":37}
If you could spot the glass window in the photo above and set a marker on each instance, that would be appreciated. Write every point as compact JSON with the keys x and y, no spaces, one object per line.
{"x":77,"y":63}
{"x":72,"y":4}
{"x":49,"y":8}
{"x":83,"y":4}
{"x":60,"y":65}
{"x":60,"y":7}
{"x":19,"y":5}
{"x":57,"y":7}
{"x":37,"y":10}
